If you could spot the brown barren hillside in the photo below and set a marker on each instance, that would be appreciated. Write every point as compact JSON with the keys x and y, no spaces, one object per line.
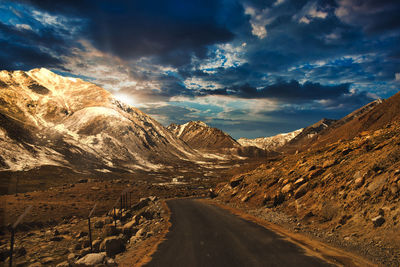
{"x":345,"y":192}
{"x":203,"y":137}
{"x":374,"y":116}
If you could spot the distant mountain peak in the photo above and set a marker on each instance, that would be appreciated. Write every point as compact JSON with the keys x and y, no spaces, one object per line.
{"x":270,"y":143}
{"x":203,"y":137}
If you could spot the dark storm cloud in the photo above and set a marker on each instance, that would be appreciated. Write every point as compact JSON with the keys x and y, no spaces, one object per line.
{"x":20,"y":48}
{"x":14,"y":57}
{"x":373,"y":16}
{"x":157,"y":50}
{"x":292,"y":91}
{"x":171,"y":30}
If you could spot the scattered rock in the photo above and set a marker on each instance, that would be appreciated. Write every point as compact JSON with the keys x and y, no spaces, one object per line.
{"x":329,"y":163}
{"x":235,"y":181}
{"x":153,"y":198}
{"x":344,"y":219}
{"x":148,"y":214}
{"x":301,"y":191}
{"x":134,"y":221}
{"x":48,"y":260}
{"x":112,"y":245}
{"x":95,"y":188}
{"x":84,"y":252}
{"x":378,"y":221}
{"x":82,"y":181}
{"x":109,"y":230}
{"x":211,"y":193}
{"x":85,"y":243}
{"x":110,"y":262}
{"x":71,"y":257}
{"x":108,"y":220}
{"x":287,"y":188}
{"x":99,"y":224}
{"x":299,"y":182}
{"x":81,"y":234}
{"x":35,"y":264}
{"x":358,"y":179}
{"x":313,"y":167}
{"x":278,"y":199}
{"x":245,"y":198}
{"x":96,"y":245}
{"x":140,"y":233}
{"x":143,"y":202}
{"x":63,"y":264}
{"x":315,"y":173}
{"x":394,"y":189}
{"x":56,"y":238}
{"x":91,"y":259}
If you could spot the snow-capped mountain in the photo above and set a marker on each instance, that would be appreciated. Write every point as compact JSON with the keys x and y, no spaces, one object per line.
{"x":270,"y":143}
{"x":48,"y":119}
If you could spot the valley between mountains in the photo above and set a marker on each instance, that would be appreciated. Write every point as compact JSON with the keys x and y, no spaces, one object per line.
{"x":332,"y":189}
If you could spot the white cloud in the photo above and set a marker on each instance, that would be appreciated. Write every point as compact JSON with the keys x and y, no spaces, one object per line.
{"x":259,"y":19}
{"x":304,"y":20}
{"x":59,"y":23}
{"x":225,"y":56}
{"x":195,"y":83}
{"x":309,"y":12}
{"x":23,"y":27}
{"x":279,"y":2}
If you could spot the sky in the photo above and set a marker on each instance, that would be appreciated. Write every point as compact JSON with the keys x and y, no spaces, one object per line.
{"x":252,"y":68}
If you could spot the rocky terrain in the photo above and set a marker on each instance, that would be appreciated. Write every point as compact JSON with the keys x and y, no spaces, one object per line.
{"x":136,"y":228}
{"x":345,"y":191}
{"x":271,"y":143}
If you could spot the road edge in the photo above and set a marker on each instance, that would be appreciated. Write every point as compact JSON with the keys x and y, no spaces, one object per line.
{"x":142,"y":255}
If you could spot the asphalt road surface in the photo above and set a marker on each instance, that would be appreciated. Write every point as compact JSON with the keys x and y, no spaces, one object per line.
{"x":205,"y":235}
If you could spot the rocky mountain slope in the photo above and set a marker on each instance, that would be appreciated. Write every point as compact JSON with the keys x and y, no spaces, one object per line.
{"x":200,"y":136}
{"x":347,"y":185}
{"x":307,"y":134}
{"x":214,"y":141}
{"x":270,"y":143}
{"x":47,"y":119}
{"x":328,"y":130}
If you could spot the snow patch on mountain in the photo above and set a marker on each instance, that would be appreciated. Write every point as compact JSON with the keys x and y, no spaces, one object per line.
{"x":270,"y":143}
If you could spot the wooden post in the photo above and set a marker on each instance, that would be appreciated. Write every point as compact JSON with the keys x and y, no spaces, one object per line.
{"x":12,"y":230}
{"x":11,"y":245}
{"x":115,"y":218}
{"x":90,"y":230}
{"x":90,"y":235}
{"x":126,"y":201}
{"x":120,"y":212}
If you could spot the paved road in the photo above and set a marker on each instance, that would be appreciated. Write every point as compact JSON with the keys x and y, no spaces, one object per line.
{"x":205,"y":235}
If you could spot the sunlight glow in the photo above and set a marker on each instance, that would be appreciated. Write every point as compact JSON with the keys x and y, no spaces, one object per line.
{"x":125,"y":98}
